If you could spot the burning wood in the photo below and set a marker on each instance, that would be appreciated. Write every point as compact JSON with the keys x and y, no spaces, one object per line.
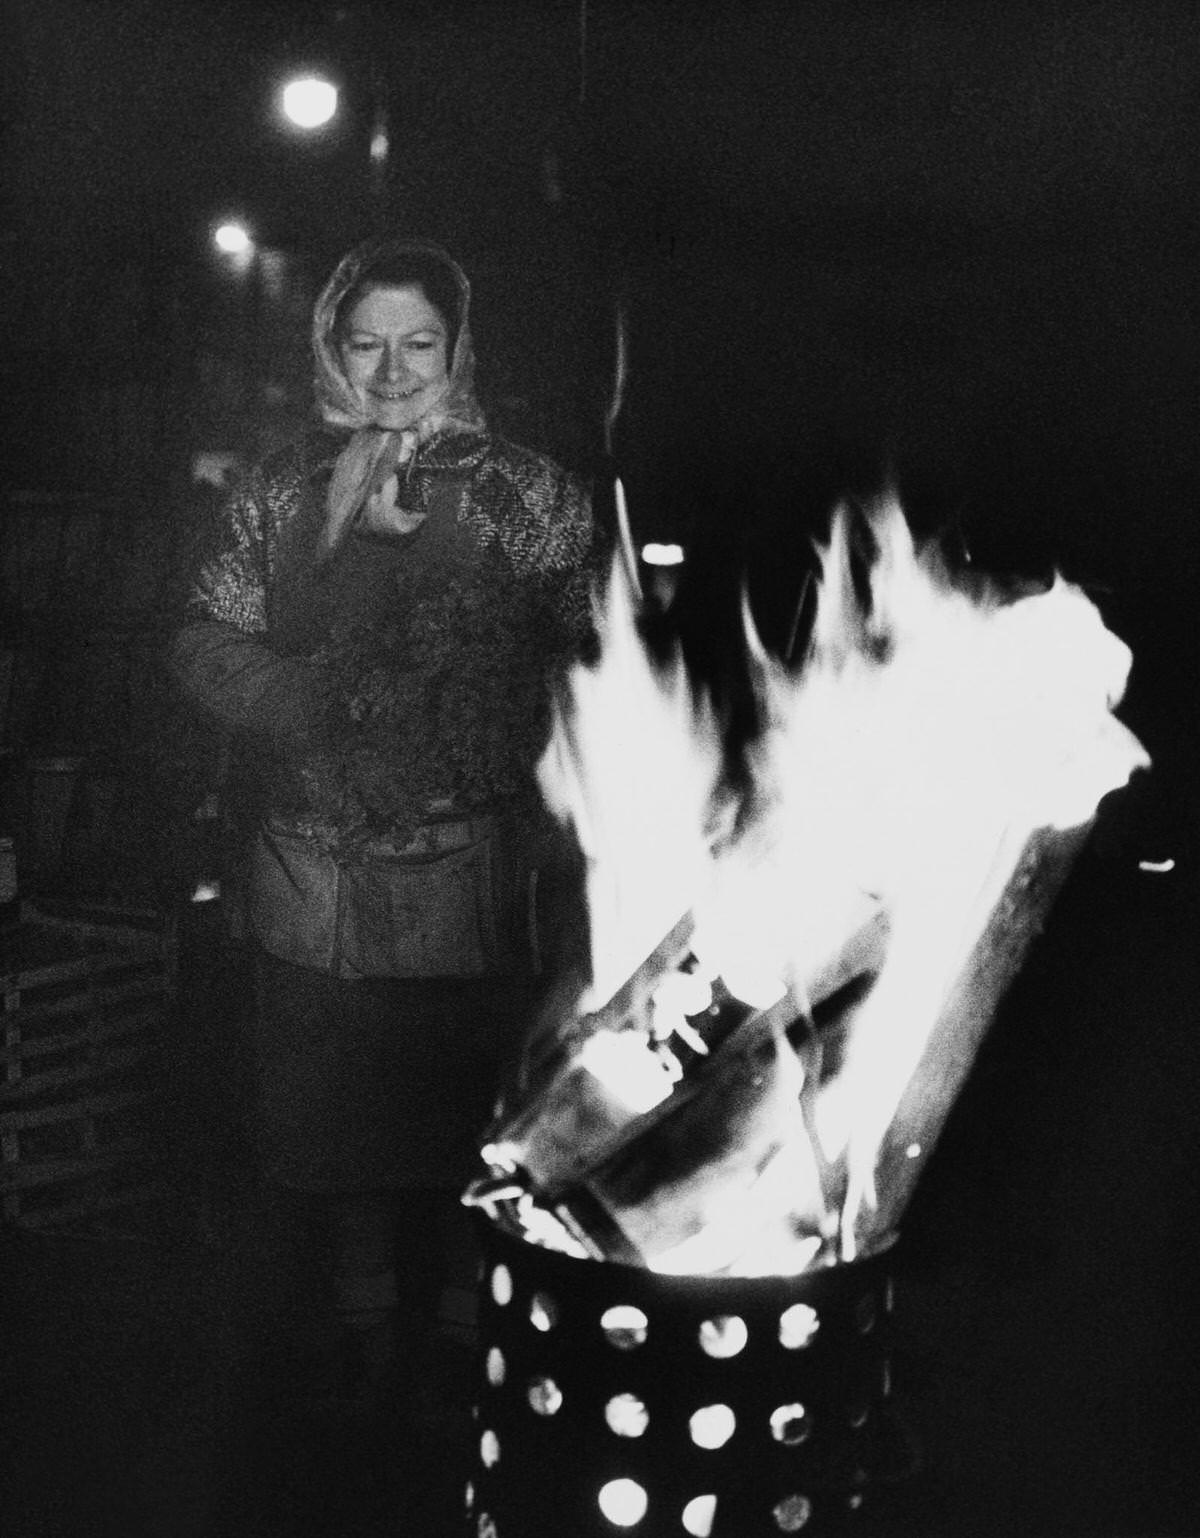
{"x":753,"y":1088}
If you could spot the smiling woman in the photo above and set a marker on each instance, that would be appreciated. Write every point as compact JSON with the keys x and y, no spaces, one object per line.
{"x":395,"y":364}
{"x":393,"y":351}
{"x":383,"y":606}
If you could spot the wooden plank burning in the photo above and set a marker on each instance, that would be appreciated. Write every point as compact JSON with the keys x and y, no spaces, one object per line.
{"x":760,"y":1093}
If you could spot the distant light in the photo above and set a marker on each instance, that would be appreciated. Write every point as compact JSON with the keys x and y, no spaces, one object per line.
{"x":379,"y":147}
{"x":1156,"y":867}
{"x":214,"y":467}
{"x":234,"y":239}
{"x":309,"y":102}
{"x":662,"y":555}
{"x":207,"y":892}
{"x":913,"y":1151}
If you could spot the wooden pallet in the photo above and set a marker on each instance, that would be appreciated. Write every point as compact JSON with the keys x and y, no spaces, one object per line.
{"x":86,"y":1004}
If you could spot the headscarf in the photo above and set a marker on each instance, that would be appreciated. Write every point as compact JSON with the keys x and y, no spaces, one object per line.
{"x":372,"y":454}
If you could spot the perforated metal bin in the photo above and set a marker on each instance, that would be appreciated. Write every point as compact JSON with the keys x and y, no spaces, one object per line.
{"x":615,"y":1401}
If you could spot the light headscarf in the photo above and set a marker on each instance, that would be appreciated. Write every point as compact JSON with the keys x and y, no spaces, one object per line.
{"x":372,"y":453}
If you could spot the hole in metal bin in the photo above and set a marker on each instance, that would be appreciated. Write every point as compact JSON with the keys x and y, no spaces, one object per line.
{"x":496,"y":1367}
{"x":487,"y":1528}
{"x":792,"y":1513}
{"x":469,"y":1495}
{"x":791,"y":1425}
{"x":854,"y":1502}
{"x":625,"y":1326}
{"x":699,"y":1516}
{"x":889,"y":1295}
{"x":502,"y":1285}
{"x":865,"y":1315}
{"x":626,"y":1415}
{"x":623,"y":1502}
{"x":885,"y":1378}
{"x":859,"y":1412}
{"x":713,"y":1425}
{"x":489,"y":1449}
{"x":543,"y":1312}
{"x":728,"y":1414}
{"x":723,"y":1336}
{"x":798,"y":1326}
{"x":545,"y":1396}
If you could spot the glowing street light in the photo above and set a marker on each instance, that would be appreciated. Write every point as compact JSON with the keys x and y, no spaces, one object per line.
{"x":232,"y":238}
{"x":309,"y":101}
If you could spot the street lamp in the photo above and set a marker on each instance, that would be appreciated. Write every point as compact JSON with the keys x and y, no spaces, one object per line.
{"x":232,"y":238}
{"x":309,"y":101}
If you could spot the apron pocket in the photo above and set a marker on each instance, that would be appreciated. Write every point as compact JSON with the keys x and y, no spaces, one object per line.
{"x":430,"y":916}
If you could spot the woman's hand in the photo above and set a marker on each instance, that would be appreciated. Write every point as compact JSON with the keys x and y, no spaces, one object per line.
{"x":381,"y":515}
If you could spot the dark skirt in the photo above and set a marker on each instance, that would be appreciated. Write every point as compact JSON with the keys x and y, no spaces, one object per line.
{"x":381,"y":1082}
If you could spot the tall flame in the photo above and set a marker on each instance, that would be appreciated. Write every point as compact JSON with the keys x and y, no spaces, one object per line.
{"x":936,"y":730}
{"x":634,"y":764}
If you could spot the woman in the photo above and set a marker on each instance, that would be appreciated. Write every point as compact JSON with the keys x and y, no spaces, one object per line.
{"x":377,"y":621}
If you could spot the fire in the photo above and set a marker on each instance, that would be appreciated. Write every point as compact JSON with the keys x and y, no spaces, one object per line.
{"x":759,"y":1094}
{"x":635,"y":766}
{"x":923,"y":746}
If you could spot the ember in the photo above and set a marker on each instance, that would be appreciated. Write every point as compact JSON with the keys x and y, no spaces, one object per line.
{"x":788,"y":985}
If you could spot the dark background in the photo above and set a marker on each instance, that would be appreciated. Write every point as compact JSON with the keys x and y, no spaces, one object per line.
{"x":949,"y":244}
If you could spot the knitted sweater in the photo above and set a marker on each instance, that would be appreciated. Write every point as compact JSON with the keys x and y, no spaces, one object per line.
{"x":408,"y":671}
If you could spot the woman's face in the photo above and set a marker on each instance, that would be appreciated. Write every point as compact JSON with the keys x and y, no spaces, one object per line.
{"x":393,"y":347}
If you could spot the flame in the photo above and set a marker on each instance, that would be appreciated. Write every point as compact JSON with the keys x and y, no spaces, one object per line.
{"x":935,"y":729}
{"x":923,"y":744}
{"x":634,"y":764}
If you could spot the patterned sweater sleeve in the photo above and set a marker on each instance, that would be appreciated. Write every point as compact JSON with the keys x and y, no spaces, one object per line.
{"x":553,"y":544}
{"x":569,"y":567}
{"x":221,"y":656}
